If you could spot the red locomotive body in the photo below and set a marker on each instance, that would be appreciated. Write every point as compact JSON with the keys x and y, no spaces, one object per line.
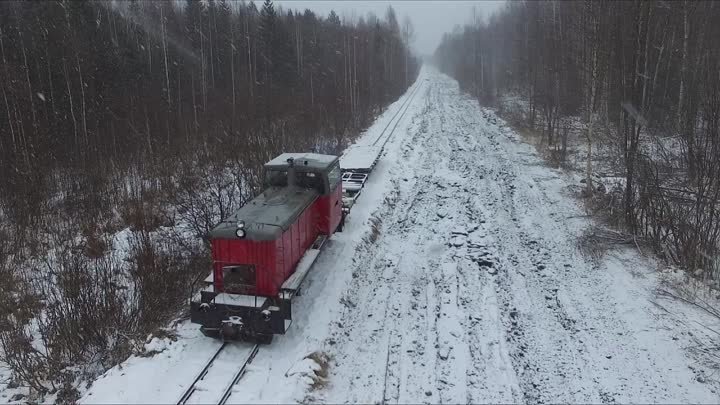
{"x":331,"y":203}
{"x":263,"y":251}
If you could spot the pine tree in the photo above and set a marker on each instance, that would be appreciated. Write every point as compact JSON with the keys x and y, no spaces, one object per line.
{"x":333,"y":18}
{"x":267,"y":32}
{"x":285,"y":68}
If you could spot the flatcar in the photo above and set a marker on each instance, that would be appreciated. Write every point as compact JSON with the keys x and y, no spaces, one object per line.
{"x":262,"y":252}
{"x":357,"y":163}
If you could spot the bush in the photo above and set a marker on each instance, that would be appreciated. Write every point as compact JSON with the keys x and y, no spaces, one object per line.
{"x":86,"y":305}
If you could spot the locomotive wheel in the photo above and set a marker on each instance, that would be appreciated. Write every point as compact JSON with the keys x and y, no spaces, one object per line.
{"x":341,"y":225}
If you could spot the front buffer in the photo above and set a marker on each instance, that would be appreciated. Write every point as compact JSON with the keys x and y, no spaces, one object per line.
{"x":240,"y":317}
{"x":251,"y":317}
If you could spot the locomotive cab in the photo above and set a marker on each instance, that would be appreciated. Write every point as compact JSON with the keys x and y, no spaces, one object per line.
{"x":262,"y":252}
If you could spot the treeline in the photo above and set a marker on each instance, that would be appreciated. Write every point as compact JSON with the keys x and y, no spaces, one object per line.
{"x":128,"y":129}
{"x":641,"y":78}
{"x":90,"y":86}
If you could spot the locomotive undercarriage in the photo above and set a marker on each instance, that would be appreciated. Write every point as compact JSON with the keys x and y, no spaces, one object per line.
{"x":251,"y":317}
{"x":240,"y":317}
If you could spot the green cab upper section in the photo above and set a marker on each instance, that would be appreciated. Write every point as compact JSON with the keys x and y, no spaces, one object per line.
{"x":293,"y":182}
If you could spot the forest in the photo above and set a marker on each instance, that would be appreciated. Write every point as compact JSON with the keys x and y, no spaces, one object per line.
{"x":129,"y":129}
{"x":636,"y":85}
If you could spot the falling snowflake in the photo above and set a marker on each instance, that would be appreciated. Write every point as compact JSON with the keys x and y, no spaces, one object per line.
{"x":41,"y":96}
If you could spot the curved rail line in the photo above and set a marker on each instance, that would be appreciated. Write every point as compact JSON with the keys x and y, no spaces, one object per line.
{"x":201,"y":375}
{"x":404,"y":105}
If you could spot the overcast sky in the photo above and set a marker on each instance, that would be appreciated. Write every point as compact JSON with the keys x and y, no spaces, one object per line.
{"x":430,"y":18}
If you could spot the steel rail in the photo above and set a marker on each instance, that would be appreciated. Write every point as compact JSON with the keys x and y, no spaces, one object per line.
{"x":238,"y":375}
{"x":188,"y":393}
{"x":407,"y":106}
{"x":405,"y":103}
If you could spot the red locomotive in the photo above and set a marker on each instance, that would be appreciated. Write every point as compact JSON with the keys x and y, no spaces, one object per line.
{"x":263,"y":251}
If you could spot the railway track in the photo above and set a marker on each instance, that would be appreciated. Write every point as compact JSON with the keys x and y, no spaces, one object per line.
{"x":228,"y":390}
{"x":247,"y":358}
{"x":403,"y":107}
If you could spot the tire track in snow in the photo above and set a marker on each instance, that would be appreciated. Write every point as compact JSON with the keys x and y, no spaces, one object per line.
{"x":548,"y":286}
{"x":533,"y":374}
{"x":491,"y":377}
{"x":406,"y":317}
{"x":487,"y":298}
{"x":378,"y":274}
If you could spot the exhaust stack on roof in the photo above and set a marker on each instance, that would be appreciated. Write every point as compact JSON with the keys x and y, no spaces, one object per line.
{"x":291,"y":172}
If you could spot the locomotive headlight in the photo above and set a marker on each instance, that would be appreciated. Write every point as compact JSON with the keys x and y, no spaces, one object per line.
{"x":240,"y":231}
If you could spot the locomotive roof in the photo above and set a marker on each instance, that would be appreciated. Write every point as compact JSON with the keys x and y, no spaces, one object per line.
{"x":310,"y":160}
{"x":268,"y":215}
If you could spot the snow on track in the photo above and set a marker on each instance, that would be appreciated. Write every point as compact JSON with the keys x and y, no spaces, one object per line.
{"x":457,"y":280}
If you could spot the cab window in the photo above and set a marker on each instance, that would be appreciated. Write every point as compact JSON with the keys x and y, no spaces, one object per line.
{"x":334,"y":176}
{"x":239,"y":278}
{"x":310,"y":180}
{"x":276,"y":178}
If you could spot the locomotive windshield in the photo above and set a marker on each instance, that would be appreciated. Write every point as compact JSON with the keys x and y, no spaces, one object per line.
{"x":310,"y":180}
{"x":276,"y":178}
{"x":239,"y":278}
{"x":334,"y":175}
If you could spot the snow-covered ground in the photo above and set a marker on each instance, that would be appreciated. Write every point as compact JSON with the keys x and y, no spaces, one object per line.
{"x":457,"y":279}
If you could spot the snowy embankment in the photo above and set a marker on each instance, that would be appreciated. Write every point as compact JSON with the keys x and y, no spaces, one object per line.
{"x":457,"y":280}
